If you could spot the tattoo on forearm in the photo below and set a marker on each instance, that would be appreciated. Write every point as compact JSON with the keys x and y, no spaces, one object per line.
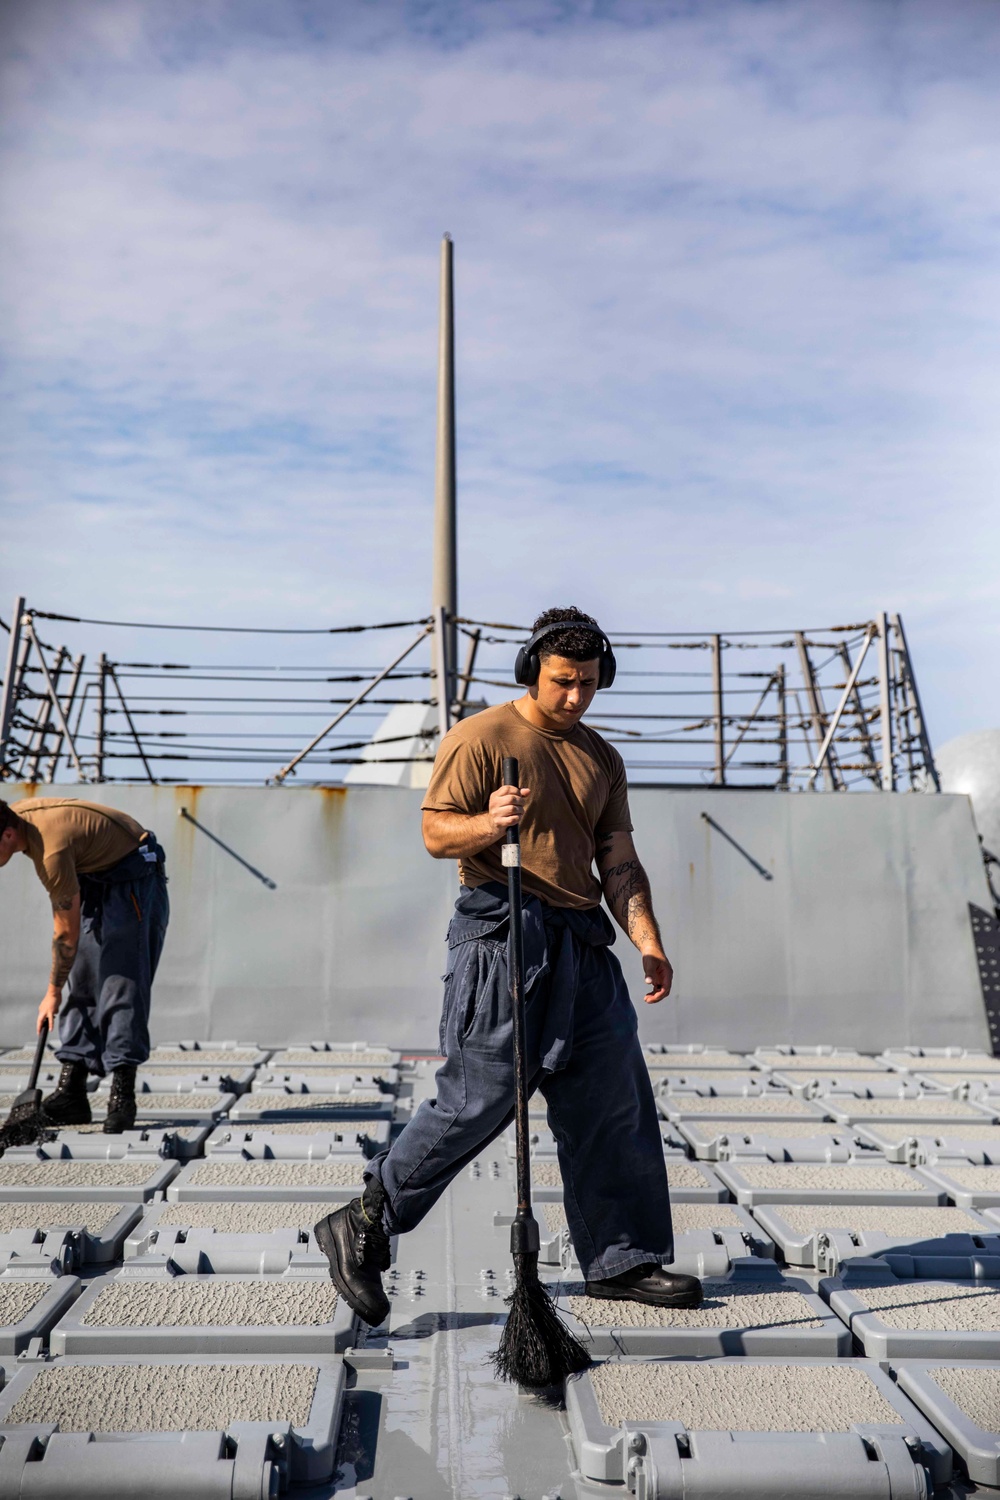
{"x":622,"y":881}
{"x":63,"y":954}
{"x":627,"y":889}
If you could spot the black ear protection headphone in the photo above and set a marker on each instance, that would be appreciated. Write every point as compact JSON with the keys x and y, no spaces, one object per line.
{"x":529,"y":664}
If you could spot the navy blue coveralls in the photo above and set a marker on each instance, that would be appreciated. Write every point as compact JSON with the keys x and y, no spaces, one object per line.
{"x":584,"y":1058}
{"x":104,"y":1021}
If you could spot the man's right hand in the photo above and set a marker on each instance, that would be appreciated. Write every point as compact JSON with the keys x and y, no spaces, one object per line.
{"x":506,"y":808}
{"x":49,"y":1009}
{"x":450,"y":835}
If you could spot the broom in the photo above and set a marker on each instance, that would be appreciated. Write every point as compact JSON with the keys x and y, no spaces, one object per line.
{"x":536,"y":1348}
{"x":26,"y":1122}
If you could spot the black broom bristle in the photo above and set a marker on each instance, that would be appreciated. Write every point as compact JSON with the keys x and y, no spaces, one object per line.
{"x":536,"y":1348}
{"x":25,"y":1129}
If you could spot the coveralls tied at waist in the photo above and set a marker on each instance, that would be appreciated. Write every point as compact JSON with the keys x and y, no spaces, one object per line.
{"x":133,"y":870}
{"x":549,"y":951}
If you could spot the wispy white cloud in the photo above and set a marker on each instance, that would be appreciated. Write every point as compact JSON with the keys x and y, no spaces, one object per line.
{"x":727,"y":291}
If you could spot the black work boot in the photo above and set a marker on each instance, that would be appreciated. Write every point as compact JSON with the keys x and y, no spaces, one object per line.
{"x":356,"y":1243}
{"x":68,"y":1103}
{"x":121,"y":1100}
{"x":649,"y":1283}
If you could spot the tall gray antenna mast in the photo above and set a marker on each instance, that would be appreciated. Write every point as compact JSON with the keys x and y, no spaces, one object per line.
{"x":445,"y":584}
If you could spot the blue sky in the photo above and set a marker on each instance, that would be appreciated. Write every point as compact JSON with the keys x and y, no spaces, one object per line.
{"x":728,"y":298}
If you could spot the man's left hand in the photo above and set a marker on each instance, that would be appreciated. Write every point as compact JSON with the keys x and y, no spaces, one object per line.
{"x":659,"y":974}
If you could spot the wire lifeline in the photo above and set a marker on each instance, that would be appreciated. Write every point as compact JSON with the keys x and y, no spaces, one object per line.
{"x":679,"y":634}
{"x":269,"y":667}
{"x":315,"y":681}
{"x":155,"y":736}
{"x":267,"y":759}
{"x":44,"y":614}
{"x":205,"y":698}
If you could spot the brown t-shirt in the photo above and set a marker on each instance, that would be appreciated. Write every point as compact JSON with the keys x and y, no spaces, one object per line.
{"x":67,"y":838}
{"x":578,"y":791}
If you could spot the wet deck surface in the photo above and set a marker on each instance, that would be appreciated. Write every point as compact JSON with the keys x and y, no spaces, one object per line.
{"x":419,"y":1413}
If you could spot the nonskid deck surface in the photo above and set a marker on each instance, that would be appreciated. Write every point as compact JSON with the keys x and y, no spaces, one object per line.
{"x":176,"y":1287}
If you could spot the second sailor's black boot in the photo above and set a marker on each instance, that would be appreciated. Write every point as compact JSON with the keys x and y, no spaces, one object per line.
{"x":356,"y":1243}
{"x":68,"y":1103}
{"x":121,"y":1101}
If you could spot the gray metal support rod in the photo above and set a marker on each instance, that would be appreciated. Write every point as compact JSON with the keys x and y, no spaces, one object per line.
{"x":445,"y":580}
{"x":861,"y":715}
{"x":907,"y":733}
{"x":81,"y":709}
{"x":461,"y":697}
{"x":10,"y":684}
{"x":264,"y":879}
{"x":720,"y":736}
{"x":748,"y":721}
{"x":36,"y":745}
{"x":838,"y":712}
{"x":102,"y":713}
{"x":22,"y":690}
{"x":441,"y":675}
{"x":803,"y":724}
{"x":128,"y":717}
{"x":885,"y":703}
{"x":60,"y":716}
{"x":279,"y":776}
{"x":74,"y":687}
{"x":779,"y":678}
{"x":818,"y":712}
{"x":925,"y":743}
{"x":761,"y":869}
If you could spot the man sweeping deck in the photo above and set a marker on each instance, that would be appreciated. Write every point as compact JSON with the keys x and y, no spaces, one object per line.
{"x":572,"y":814}
{"x":104,"y":875}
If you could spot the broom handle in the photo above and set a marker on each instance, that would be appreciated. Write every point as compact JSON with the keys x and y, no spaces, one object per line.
{"x":512,"y":860}
{"x":36,"y":1066}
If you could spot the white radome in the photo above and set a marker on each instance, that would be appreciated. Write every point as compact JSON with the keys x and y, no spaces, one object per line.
{"x":971,"y":764}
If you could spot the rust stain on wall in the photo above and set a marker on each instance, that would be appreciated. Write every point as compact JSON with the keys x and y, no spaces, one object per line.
{"x":187,"y":796}
{"x":333,"y":806}
{"x":183,"y":851}
{"x":332,"y":803}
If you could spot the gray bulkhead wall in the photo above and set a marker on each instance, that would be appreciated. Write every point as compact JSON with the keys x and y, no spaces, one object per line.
{"x":861,"y":936}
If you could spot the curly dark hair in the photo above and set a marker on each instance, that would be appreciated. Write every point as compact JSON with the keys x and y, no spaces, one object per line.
{"x":8,"y":817}
{"x":575,"y":644}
